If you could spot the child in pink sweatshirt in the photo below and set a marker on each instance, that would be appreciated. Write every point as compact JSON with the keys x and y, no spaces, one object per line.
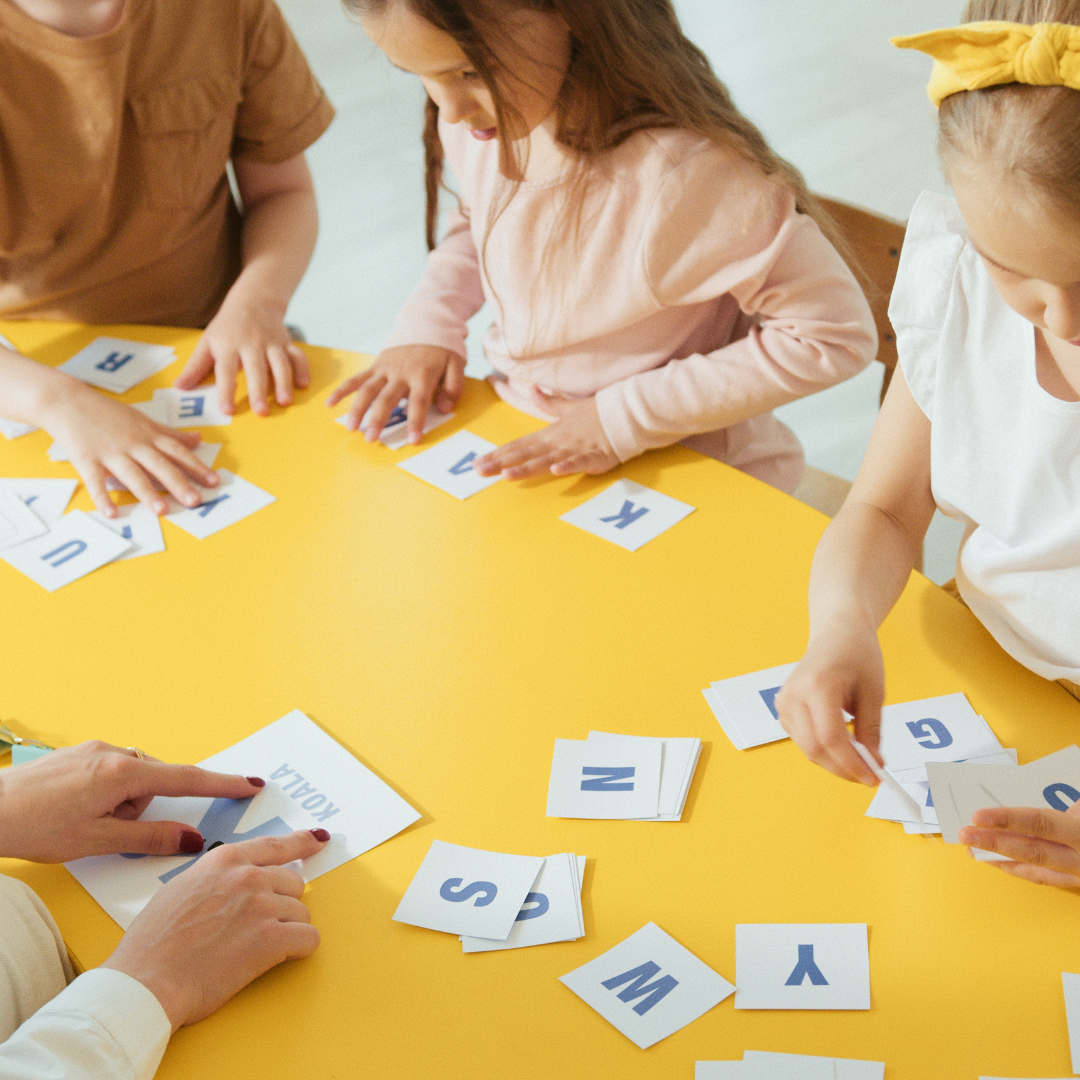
{"x":656,"y":273}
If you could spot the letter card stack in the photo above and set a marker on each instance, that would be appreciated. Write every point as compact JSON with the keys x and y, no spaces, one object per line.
{"x":761,"y":1065}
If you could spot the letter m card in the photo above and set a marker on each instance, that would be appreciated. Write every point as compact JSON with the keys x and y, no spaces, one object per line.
{"x":604,"y":779}
{"x":648,"y":986}
{"x":628,"y":514}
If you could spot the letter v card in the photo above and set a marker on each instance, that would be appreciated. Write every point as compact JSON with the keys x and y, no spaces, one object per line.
{"x":463,"y":890}
{"x":648,"y":986}
{"x":312,"y":782}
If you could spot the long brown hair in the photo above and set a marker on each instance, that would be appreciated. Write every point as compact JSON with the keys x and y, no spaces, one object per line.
{"x":630,"y":68}
{"x":1031,"y":133}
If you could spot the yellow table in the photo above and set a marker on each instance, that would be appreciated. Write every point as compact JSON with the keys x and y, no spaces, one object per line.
{"x":447,"y":645}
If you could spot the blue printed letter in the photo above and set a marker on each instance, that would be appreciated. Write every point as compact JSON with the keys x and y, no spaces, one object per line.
{"x":769,"y":697}
{"x":932,"y":734}
{"x":542,"y":904}
{"x":606,"y":777}
{"x":641,"y":976}
{"x":487,"y":888}
{"x":1054,"y":796}
{"x":464,"y":465}
{"x":114,"y":361}
{"x":627,"y":515}
{"x":205,"y":509}
{"x":78,"y":545}
{"x":806,"y":966}
{"x":191,"y":406}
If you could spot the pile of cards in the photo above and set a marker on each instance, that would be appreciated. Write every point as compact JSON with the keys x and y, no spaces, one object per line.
{"x":648,"y":986}
{"x":495,"y":901}
{"x":627,"y":777}
{"x":312,"y":782}
{"x":761,"y":1065}
{"x":116,"y":365}
{"x":959,"y":789}
{"x":745,"y":706}
{"x":915,"y":735}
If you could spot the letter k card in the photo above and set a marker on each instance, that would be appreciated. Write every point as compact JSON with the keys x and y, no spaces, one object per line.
{"x":648,"y":986}
{"x":628,"y":514}
{"x":802,"y":966}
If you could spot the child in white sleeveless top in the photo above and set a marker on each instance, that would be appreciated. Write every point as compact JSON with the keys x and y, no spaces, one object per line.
{"x":983,"y":419}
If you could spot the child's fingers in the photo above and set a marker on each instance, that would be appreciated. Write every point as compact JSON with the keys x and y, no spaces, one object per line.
{"x":198,"y":366}
{"x":513,"y":453}
{"x":174,"y":450}
{"x":282,"y":370}
{"x":93,"y":474}
{"x":453,"y":382}
{"x":1058,"y":858}
{"x":364,"y":397}
{"x":168,"y":475}
{"x":225,"y":372}
{"x":300,"y":366}
{"x":534,"y":466}
{"x":1040,"y":875}
{"x":594,"y":463}
{"x":258,"y":380}
{"x":349,"y":386}
{"x":384,"y":404}
{"x":132,"y":476}
{"x":1050,"y":825}
{"x":420,"y":395}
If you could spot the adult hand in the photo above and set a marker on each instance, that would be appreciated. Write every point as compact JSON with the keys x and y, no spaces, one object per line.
{"x":422,"y":373}
{"x":842,"y":669}
{"x":248,"y":332}
{"x":1045,"y":844}
{"x":84,"y":800}
{"x":575,"y":442}
{"x":105,"y":438}
{"x":213,"y":929}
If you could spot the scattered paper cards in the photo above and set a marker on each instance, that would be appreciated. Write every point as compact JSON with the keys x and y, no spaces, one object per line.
{"x":469,"y":892}
{"x":311,"y":782}
{"x":959,"y":789}
{"x":761,"y":1065}
{"x":17,"y":521}
{"x":136,"y":524}
{"x":70,"y":549}
{"x":48,"y":498}
{"x":116,"y":365}
{"x":628,"y":514}
{"x":232,"y":501}
{"x":395,"y":434}
{"x":802,"y":966}
{"x":648,"y":986}
{"x":621,"y":777}
{"x":745,"y":706}
{"x":448,"y":465}
{"x":551,"y":912}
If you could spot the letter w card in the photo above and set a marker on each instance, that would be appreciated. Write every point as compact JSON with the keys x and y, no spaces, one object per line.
{"x":117,"y":365}
{"x":628,"y":514}
{"x":448,"y":465}
{"x":463,"y":890}
{"x":802,"y":966}
{"x":605,"y":778}
{"x":648,"y":986}
{"x":312,"y":782}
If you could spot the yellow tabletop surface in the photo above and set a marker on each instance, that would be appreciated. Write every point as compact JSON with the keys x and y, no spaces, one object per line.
{"x":447,"y":644}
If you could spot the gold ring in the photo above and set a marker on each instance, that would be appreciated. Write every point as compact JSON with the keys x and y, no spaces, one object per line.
{"x":138,"y":753}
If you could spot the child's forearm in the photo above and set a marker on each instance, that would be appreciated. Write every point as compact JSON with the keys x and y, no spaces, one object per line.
{"x":860,"y":569}
{"x":277,"y":244}
{"x":29,"y":390}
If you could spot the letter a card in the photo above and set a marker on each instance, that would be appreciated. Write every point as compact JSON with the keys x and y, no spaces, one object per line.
{"x":225,"y":505}
{"x":71,"y":549}
{"x":448,"y":465}
{"x":802,"y":966}
{"x":463,"y":890}
{"x":628,"y":514}
{"x":648,"y":986}
{"x":605,"y":778}
{"x":312,"y":782}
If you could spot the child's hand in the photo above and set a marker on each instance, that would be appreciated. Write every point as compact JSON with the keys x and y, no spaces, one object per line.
{"x":104,"y":438}
{"x":419,"y":372}
{"x":842,"y":669}
{"x":251,"y":334}
{"x":1044,"y":843}
{"x":574,"y":443}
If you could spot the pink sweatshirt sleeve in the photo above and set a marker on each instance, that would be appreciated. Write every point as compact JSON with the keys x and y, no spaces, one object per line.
{"x":718,"y":227}
{"x":448,"y":294}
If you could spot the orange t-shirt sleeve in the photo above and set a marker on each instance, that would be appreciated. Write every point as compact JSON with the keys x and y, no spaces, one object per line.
{"x":283,"y":109}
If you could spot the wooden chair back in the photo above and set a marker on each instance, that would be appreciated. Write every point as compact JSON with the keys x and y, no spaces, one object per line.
{"x":874,"y":243}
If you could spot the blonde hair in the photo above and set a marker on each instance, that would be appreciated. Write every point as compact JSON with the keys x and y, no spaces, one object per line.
{"x":1030,"y":133}
{"x":630,"y":68}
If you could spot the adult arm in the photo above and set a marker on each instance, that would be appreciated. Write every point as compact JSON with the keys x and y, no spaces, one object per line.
{"x":860,"y":568}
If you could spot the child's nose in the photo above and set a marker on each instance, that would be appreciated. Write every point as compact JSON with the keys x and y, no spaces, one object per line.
{"x":456,"y":106}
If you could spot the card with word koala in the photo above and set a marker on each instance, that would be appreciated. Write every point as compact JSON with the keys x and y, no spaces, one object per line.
{"x":312,"y":782}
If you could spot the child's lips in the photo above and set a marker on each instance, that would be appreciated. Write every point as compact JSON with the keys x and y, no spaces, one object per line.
{"x":483,"y":134}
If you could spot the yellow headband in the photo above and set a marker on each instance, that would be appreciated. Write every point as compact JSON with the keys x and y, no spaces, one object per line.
{"x":977,"y":55}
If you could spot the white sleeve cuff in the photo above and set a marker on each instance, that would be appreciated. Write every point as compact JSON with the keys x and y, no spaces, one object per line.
{"x":104,"y":1026}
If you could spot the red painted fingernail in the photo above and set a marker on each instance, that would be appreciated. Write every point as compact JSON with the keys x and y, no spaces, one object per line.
{"x":321,"y":835}
{"x":255,"y":781}
{"x":191,"y":842}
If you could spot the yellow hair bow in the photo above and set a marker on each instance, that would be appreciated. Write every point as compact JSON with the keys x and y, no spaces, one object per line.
{"x":981,"y":54}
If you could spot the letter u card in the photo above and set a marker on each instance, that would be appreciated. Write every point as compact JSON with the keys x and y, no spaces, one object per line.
{"x":312,"y":782}
{"x":648,"y":986}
